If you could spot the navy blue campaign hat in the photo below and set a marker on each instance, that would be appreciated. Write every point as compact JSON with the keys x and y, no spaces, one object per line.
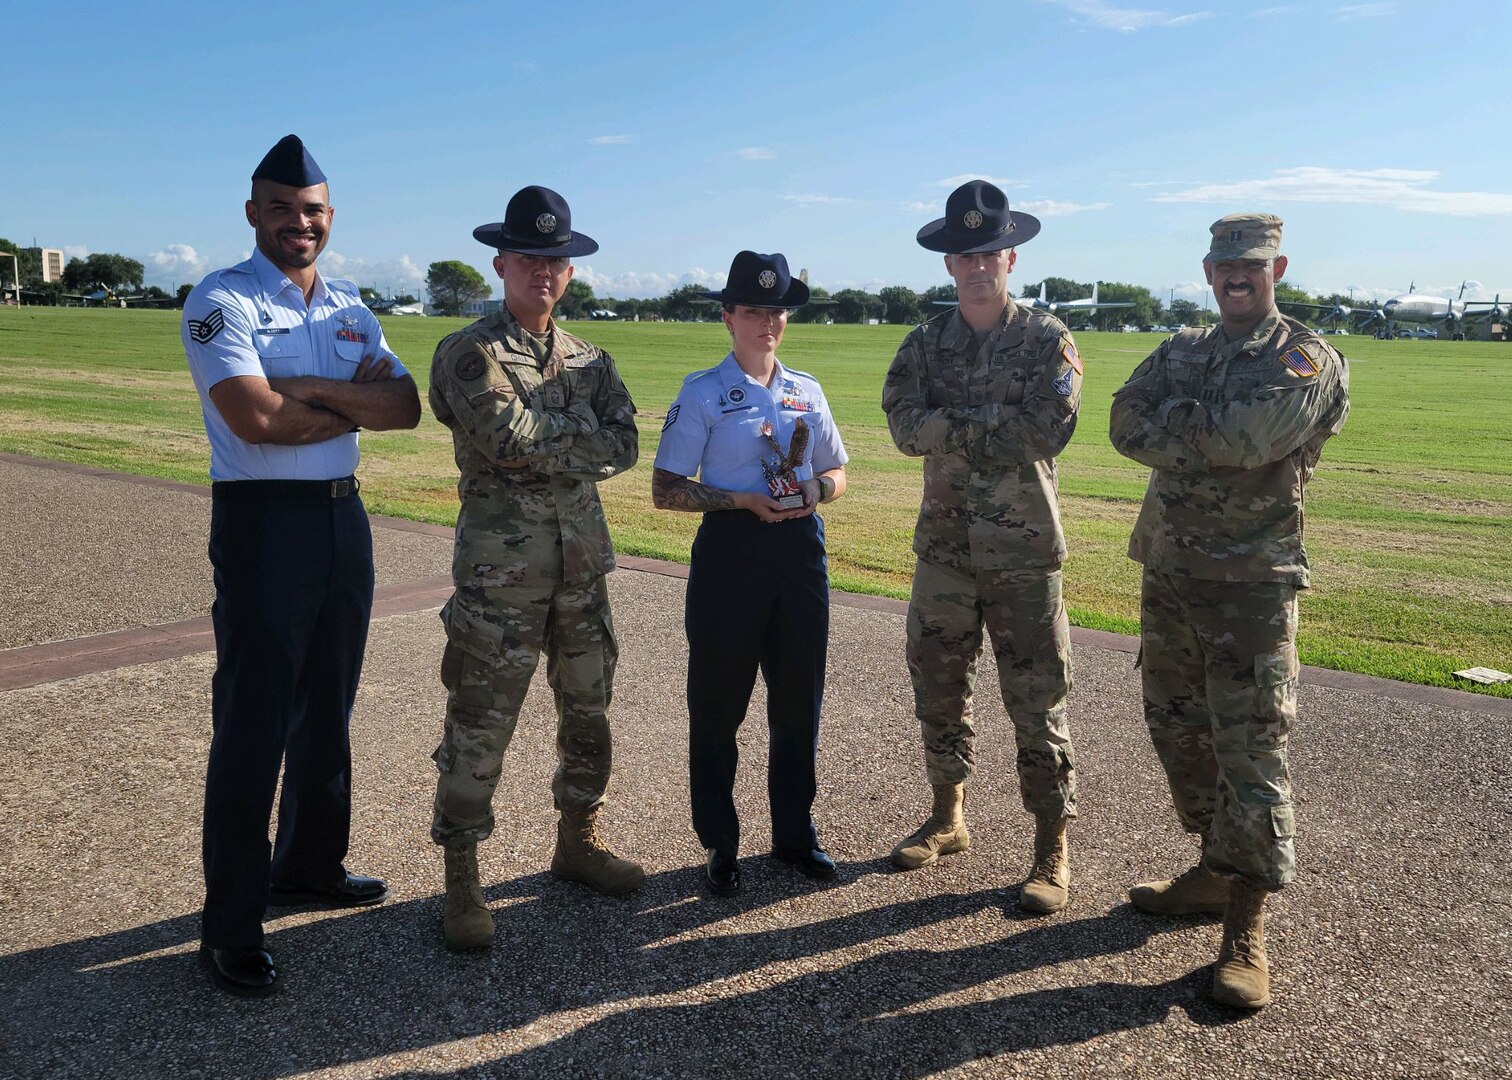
{"x":289,"y":163}
{"x":537,"y":221}
{"x":977,"y":218}
{"x":761,"y":281}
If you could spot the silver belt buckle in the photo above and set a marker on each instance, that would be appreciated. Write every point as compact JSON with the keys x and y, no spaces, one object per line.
{"x":340,"y":489}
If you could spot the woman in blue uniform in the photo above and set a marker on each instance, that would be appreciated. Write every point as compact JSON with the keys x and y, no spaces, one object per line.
{"x":765,"y":450}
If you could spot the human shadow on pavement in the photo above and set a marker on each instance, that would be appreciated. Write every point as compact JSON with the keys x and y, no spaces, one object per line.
{"x":373,"y":982}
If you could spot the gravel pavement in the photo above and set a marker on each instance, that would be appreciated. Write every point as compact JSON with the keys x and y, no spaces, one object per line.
{"x":1386,"y":952}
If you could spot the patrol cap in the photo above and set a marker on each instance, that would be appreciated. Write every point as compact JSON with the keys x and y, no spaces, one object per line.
{"x":537,"y":221}
{"x":977,"y":218}
{"x":762,"y":281}
{"x":289,"y":163}
{"x":1245,"y":236}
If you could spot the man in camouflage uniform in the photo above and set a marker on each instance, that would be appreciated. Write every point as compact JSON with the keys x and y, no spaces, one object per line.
{"x":987,"y":394}
{"x":1232,"y":421}
{"x":538,"y":417}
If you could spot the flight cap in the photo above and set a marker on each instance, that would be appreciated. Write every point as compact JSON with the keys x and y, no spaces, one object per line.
{"x":289,"y":163}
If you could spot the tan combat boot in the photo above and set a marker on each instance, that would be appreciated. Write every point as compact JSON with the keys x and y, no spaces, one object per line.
{"x":1199,"y":891}
{"x":1241,"y":978}
{"x":943,"y":832}
{"x":466,"y":920}
{"x":1046,"y":889}
{"x":582,"y":857}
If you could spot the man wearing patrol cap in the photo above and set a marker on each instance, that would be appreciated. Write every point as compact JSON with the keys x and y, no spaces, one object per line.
{"x":988,"y":394}
{"x":1232,"y":420}
{"x":288,"y":366}
{"x":538,"y":417}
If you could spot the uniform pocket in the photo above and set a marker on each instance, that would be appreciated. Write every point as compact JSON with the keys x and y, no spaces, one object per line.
{"x":281,"y":355}
{"x":1275,"y":698}
{"x":1283,"y":821}
{"x":469,"y":629}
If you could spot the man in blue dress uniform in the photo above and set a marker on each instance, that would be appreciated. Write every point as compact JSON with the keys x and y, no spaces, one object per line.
{"x":288,"y":365}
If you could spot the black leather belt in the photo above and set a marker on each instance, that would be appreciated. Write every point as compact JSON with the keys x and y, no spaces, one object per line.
{"x":284,"y":490}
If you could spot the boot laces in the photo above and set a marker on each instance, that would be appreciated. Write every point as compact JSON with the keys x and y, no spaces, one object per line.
{"x":1047,"y":866}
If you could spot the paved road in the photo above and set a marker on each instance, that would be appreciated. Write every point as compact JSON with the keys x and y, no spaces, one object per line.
{"x":1388,"y":951}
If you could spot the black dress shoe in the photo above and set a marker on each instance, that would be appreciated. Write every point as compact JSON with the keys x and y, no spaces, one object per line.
{"x":353,"y":892}
{"x":814,"y":863}
{"x":244,"y":972}
{"x":723,"y":873}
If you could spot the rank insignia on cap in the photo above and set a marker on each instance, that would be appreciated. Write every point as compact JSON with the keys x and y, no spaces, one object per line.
{"x":973,"y":219}
{"x":470,"y":367}
{"x":1071,"y":356}
{"x":767,"y":279}
{"x":202,"y":330}
{"x":671,"y":416}
{"x":1237,"y":234}
{"x":546,"y":223}
{"x":1300,"y":363}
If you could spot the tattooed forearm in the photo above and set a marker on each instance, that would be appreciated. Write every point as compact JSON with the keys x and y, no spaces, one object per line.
{"x":672,"y":492}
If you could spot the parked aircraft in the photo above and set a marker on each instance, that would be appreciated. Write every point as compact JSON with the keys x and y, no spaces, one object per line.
{"x":1087,"y":304}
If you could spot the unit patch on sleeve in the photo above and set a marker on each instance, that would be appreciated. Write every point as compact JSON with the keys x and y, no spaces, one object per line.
{"x":202,"y":330}
{"x":470,"y":367}
{"x":1299,"y":363}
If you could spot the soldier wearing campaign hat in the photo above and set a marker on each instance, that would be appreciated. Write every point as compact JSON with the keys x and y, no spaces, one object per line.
{"x":761,"y":441}
{"x":1232,"y":421}
{"x":288,"y":365}
{"x":538,"y":418}
{"x":987,"y":393}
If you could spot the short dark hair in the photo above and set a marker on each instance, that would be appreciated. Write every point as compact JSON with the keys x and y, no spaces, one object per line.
{"x":728,"y":307}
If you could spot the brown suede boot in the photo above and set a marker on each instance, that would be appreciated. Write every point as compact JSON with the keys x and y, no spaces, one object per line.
{"x":1241,"y":978}
{"x":943,"y":832}
{"x":582,"y":857}
{"x":466,"y":920}
{"x":1199,"y":891}
{"x":1050,"y":877}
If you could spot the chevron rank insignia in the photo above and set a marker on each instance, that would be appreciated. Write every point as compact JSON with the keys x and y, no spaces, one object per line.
{"x":202,"y":330}
{"x":1299,"y":363}
{"x":671,"y":416}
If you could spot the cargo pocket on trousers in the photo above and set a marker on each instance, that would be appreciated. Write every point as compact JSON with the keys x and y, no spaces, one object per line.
{"x":1283,"y":821}
{"x":469,"y":632}
{"x":611,"y":656}
{"x":1275,"y":698}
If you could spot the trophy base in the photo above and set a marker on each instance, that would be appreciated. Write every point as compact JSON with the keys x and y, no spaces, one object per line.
{"x":790,"y":502}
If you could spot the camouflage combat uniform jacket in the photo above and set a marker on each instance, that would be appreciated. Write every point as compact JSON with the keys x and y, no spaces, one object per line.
{"x":532,"y":437}
{"x":1233,"y":431}
{"x":989,"y":423}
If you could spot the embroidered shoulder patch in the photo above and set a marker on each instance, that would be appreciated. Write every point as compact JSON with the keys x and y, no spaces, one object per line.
{"x":470,"y":367}
{"x":202,"y":330}
{"x":1299,"y":363}
{"x":1071,"y":356}
{"x":671,"y":416}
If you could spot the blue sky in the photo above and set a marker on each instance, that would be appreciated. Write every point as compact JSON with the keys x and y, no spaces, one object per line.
{"x":831,"y":132}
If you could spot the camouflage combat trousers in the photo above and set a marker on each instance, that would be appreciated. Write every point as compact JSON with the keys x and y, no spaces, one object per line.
{"x":1219,"y":670}
{"x":1031,"y":639}
{"x":494,"y":638}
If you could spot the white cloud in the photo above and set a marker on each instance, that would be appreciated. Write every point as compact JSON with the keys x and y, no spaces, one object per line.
{"x":76,"y":251}
{"x":1352,"y":12}
{"x":1266,"y":13}
{"x":611,"y":140}
{"x":1398,"y":189}
{"x":1126,"y":20}
{"x":396,"y":275}
{"x":1054,"y":208}
{"x":920,"y":207}
{"x":645,"y":283}
{"x":814,"y":200}
{"x":177,"y":263}
{"x":1000,"y":181}
{"x":756,"y":153}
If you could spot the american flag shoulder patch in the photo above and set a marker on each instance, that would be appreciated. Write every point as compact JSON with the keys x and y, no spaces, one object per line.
{"x":1300,"y":363}
{"x":202,"y":330}
{"x":1071,"y":356}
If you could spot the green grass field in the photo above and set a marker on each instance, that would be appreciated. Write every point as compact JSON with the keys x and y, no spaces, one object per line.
{"x":1407,"y":518}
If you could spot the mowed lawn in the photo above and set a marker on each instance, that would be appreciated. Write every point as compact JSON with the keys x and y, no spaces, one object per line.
{"x":1408,"y":518}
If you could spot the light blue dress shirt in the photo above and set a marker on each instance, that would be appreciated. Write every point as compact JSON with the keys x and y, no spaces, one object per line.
{"x":713,"y":429}
{"x":250,"y":319}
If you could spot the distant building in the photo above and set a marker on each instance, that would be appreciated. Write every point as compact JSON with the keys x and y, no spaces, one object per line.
{"x":479,"y":308}
{"x":51,"y":260}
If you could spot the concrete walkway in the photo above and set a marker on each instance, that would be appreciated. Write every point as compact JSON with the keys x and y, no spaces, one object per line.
{"x":1387,"y":951}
